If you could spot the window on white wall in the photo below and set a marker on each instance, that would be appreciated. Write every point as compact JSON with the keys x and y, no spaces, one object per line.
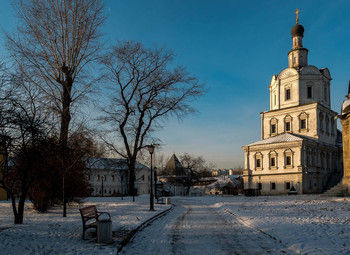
{"x":303,"y":121}
{"x":309,"y":91}
{"x":273,"y":160}
{"x":258,"y":161}
{"x":287,"y":94}
{"x":287,"y":123}
{"x":288,"y":158}
{"x":273,"y":185}
{"x":273,"y":126}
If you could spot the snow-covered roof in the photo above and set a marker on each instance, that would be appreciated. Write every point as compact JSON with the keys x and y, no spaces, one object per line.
{"x":110,"y":164}
{"x":282,"y":138}
{"x":225,"y":182}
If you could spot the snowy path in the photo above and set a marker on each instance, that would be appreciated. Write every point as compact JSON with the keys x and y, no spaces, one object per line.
{"x":196,"y":228}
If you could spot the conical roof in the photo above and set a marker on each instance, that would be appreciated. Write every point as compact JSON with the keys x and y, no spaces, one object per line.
{"x":174,"y":167}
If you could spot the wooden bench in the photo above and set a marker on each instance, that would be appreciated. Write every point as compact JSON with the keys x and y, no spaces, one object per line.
{"x":89,"y":216}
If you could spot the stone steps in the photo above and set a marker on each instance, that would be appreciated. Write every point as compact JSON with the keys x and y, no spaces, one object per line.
{"x":336,"y":191}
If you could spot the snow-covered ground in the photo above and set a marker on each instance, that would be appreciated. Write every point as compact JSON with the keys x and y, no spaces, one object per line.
{"x":50,"y":233}
{"x":305,"y":224}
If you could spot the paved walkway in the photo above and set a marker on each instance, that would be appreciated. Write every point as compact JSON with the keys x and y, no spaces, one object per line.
{"x":193,"y":228}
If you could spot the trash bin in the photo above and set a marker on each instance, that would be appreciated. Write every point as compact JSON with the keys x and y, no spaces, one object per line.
{"x":104,"y":231}
{"x":167,"y":200}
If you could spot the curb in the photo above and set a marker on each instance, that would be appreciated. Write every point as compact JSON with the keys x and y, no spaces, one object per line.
{"x":142,"y":226}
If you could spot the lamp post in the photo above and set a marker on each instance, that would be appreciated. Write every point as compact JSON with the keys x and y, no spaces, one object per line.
{"x":151,"y":202}
{"x":155,"y":181}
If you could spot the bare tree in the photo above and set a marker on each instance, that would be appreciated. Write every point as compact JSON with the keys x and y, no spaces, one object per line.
{"x":196,"y":167}
{"x":24,"y":120}
{"x":144,"y":91}
{"x":55,"y":42}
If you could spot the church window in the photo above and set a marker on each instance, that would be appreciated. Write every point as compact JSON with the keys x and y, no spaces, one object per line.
{"x":287,"y":126}
{"x":287,"y":185}
{"x":273,"y":161}
{"x":327,"y":125}
{"x":273,"y":185}
{"x":258,"y":162}
{"x":288,"y":123}
{"x":98,"y":177}
{"x":288,"y":160}
{"x":303,"y":121}
{"x":259,"y":186}
{"x":274,"y":99}
{"x":325,"y":92}
{"x":273,"y":128}
{"x":309,"y":92}
{"x":288,"y":95}
{"x":332,"y":126}
{"x":112,"y":178}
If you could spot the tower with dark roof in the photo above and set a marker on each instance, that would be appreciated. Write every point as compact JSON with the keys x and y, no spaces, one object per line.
{"x":299,"y":137}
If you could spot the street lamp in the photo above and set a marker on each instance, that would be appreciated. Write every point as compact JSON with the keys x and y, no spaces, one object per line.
{"x":151,"y":202}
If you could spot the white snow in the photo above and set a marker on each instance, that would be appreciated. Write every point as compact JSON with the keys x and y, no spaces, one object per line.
{"x":303,"y":224}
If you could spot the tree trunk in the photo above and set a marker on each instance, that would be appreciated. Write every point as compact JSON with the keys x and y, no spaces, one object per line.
{"x":190,"y":183}
{"x":132,"y":178}
{"x":65,"y":120}
{"x":20,"y":212}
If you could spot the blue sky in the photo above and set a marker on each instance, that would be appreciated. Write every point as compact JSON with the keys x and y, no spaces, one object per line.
{"x":234,"y":47}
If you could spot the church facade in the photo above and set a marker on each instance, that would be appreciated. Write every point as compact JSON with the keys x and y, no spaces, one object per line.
{"x":300,"y":144}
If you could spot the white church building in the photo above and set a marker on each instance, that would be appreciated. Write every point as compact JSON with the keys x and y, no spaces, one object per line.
{"x":300,"y":144}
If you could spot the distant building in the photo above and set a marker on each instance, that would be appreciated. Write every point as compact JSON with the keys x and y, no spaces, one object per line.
{"x":300,"y":144}
{"x":174,"y":182}
{"x":220,"y":172}
{"x":109,"y":177}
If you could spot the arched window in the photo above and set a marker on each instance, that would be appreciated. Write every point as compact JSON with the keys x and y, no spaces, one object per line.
{"x":332,"y":127}
{"x":288,"y":158}
{"x":288,"y":123}
{"x":273,"y":126}
{"x":309,"y":89}
{"x":273,"y":160}
{"x":287,"y":93}
{"x":303,"y":122}
{"x":258,"y":161}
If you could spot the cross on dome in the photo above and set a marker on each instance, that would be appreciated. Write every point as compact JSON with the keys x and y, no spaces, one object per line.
{"x":297,"y":13}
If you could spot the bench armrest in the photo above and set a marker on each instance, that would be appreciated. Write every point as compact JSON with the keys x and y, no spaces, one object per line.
{"x":101,"y":213}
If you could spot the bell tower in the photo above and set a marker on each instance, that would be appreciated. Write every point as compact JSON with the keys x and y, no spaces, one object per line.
{"x":297,"y":57}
